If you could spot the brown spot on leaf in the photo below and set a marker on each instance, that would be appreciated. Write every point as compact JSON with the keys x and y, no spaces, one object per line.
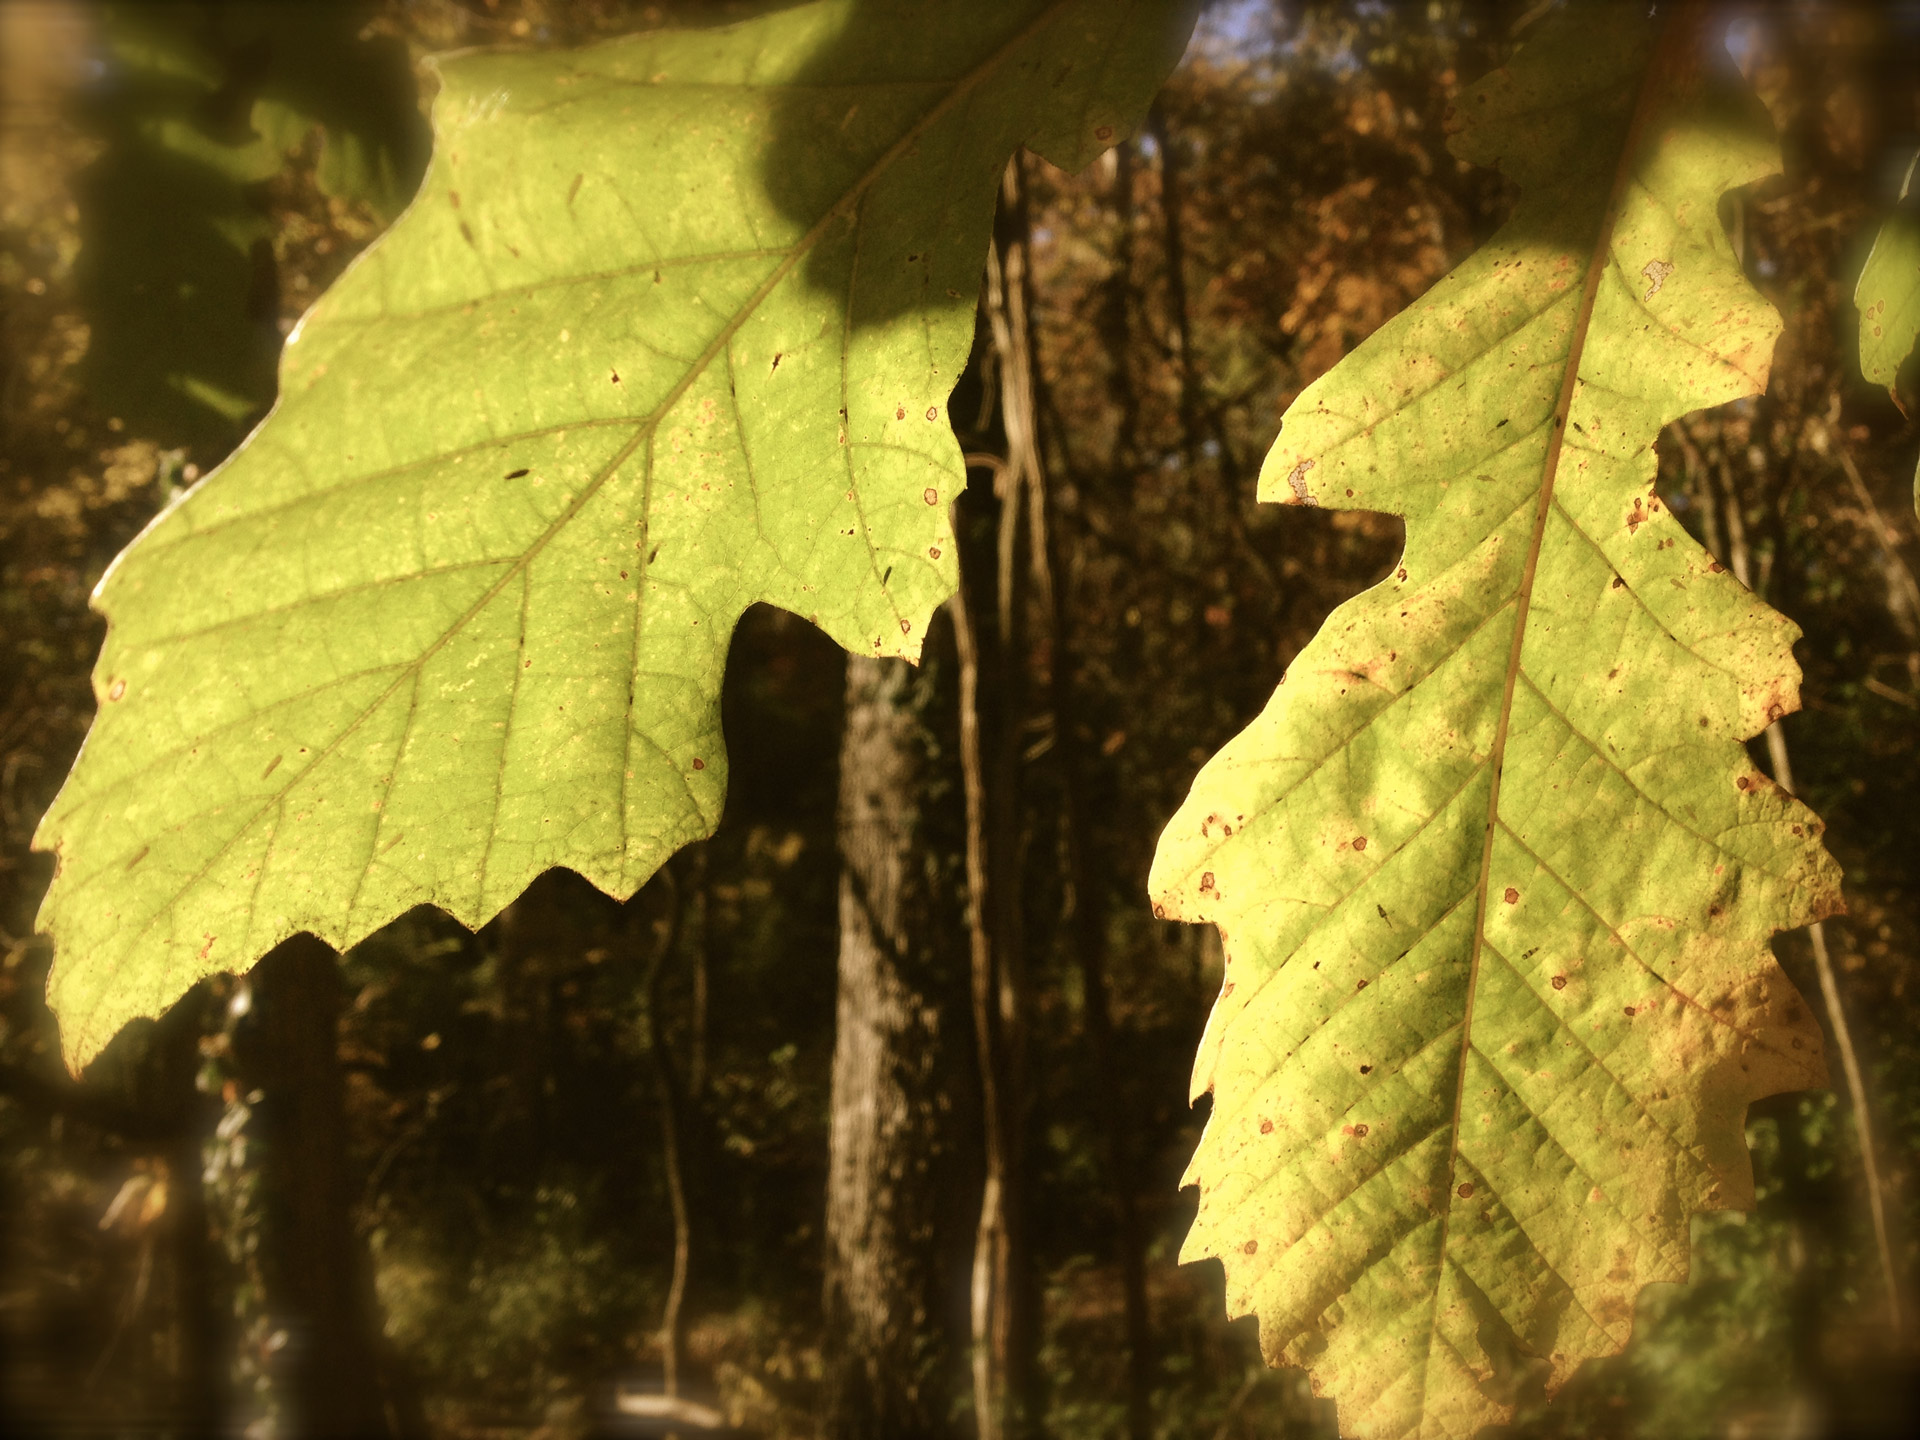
{"x":1360,"y":843}
{"x":1297,"y":482}
{"x":1559,"y":982}
{"x":1466,"y":1189}
{"x":1360,"y":1132}
{"x":698,"y":763}
{"x":1266,"y":1127}
{"x":1251,"y":1246}
{"x":930,"y":495}
{"x":1366,"y":1069}
{"x":901,"y":413}
{"x":1656,"y":273}
{"x":1513,"y":896}
{"x":117,"y":690}
{"x":1103,"y":132}
{"x":933,"y":412}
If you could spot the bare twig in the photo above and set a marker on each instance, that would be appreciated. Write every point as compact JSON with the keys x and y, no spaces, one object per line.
{"x":668,"y":1092}
{"x":1738,"y":559}
{"x":1903,"y":593}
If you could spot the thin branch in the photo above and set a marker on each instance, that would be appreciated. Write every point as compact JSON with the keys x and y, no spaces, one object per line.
{"x":1739,"y":562}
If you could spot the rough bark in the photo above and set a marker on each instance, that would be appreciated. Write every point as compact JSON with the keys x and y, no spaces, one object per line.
{"x":892,"y":1121}
{"x":317,"y":1273}
{"x":201,"y":1334}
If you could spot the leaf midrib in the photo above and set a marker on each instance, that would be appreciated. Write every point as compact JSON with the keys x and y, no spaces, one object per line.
{"x":1599,"y":259}
{"x":960,"y":91}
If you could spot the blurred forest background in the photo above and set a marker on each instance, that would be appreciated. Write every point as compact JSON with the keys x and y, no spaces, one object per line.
{"x":472,"y":1184}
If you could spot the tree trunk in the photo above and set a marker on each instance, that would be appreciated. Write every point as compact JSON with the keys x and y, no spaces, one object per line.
{"x":891,"y":1109}
{"x":317,"y":1275}
{"x":200,"y":1354}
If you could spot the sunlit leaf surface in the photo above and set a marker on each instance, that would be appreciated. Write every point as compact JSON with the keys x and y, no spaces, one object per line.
{"x":1493,"y":871}
{"x":669,"y":330}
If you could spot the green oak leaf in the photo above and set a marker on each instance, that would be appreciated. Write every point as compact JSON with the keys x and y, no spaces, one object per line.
{"x":1888,"y":295}
{"x":668,"y":331}
{"x":202,"y":104}
{"x":1888,"y":298}
{"x":1493,"y":873}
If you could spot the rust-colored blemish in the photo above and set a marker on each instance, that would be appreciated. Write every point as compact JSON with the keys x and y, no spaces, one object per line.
{"x":1266,"y":1127}
{"x":698,"y":763}
{"x":1466,"y":1190}
{"x":1513,"y":896}
{"x":1360,"y":842}
{"x":930,"y":495}
{"x":1297,"y":482}
{"x":1559,"y":982}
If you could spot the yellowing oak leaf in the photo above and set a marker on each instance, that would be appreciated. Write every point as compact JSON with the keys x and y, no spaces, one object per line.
{"x":668,"y":331}
{"x":1493,"y":872}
